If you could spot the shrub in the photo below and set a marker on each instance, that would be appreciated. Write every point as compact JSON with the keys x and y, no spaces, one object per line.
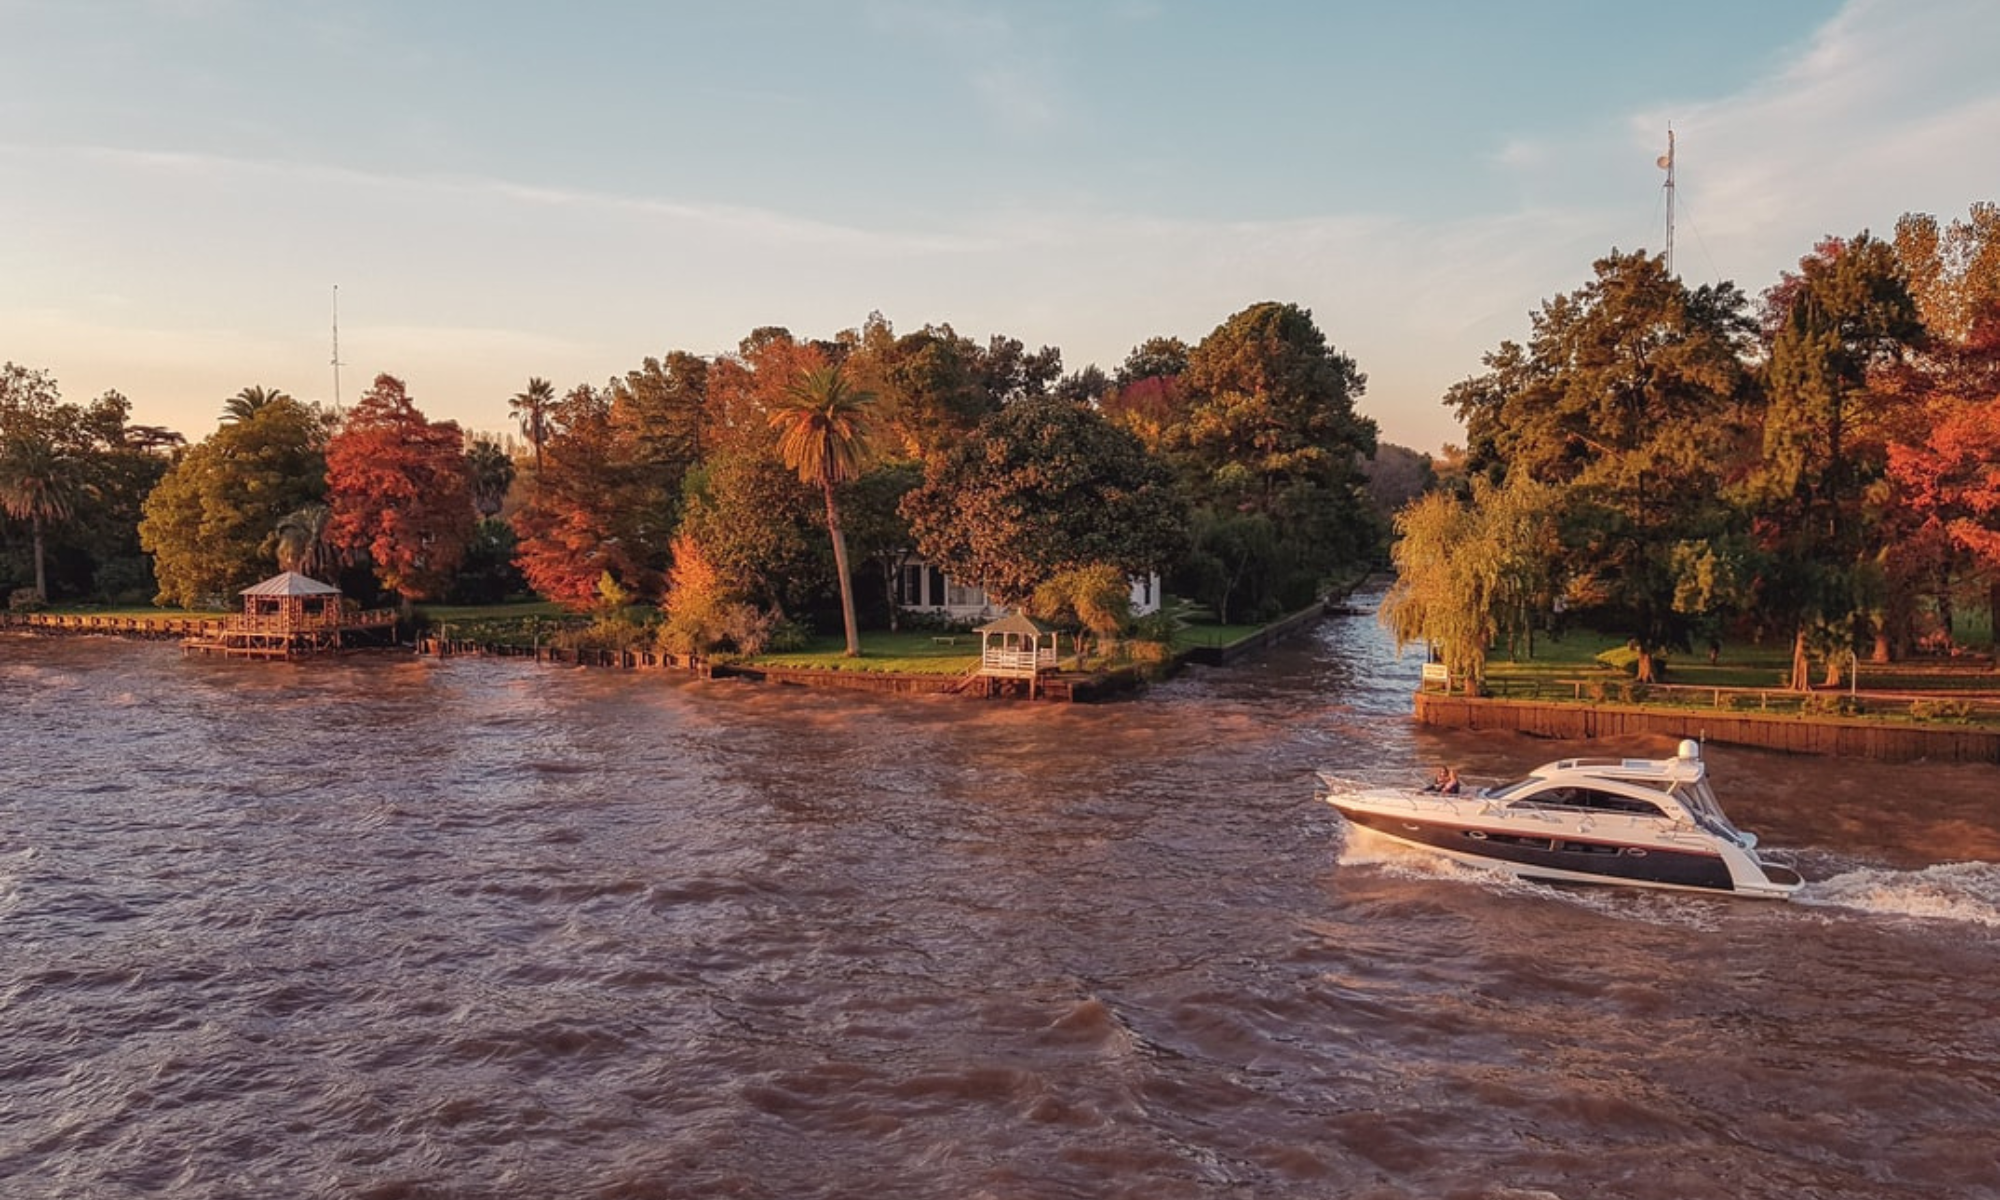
{"x":1621,"y":658}
{"x":747,"y":628}
{"x":788,"y":637}
{"x":612,"y":631}
{"x":1941,"y":710}
{"x":1156,"y":627}
{"x":1625,"y":659}
{"x":1829,"y":704}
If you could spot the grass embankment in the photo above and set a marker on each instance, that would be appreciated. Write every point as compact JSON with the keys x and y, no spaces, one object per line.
{"x":1747,"y":677}
{"x":905,"y":652}
{"x":912,"y":652}
{"x":136,"y":612}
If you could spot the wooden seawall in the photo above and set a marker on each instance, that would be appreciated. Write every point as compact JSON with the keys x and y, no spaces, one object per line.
{"x":135,"y":627}
{"x":1843,"y":737}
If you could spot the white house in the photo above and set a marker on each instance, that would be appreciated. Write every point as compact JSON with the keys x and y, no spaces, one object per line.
{"x":922,"y":587}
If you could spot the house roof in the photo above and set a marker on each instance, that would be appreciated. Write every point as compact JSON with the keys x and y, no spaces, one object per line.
{"x":1015,"y":622}
{"x":291,"y":583}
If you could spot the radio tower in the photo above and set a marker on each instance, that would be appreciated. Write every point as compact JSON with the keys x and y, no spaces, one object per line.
{"x":336,"y":346}
{"x":1667,"y":161}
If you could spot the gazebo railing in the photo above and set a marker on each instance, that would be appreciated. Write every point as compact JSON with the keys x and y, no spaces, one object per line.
{"x":1017,"y":662}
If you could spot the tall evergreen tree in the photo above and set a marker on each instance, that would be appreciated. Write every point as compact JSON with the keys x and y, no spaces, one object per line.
{"x":1631,"y":396}
{"x":1845,"y":315}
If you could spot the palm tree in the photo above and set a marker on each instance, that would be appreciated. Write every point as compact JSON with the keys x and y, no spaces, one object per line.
{"x":36,"y":486}
{"x":246,"y":403}
{"x":492,"y":473}
{"x":303,"y":544}
{"x":823,"y":435}
{"x":531,"y":408}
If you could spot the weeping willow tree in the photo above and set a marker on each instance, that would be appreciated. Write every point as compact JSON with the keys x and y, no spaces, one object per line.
{"x":1469,"y":573}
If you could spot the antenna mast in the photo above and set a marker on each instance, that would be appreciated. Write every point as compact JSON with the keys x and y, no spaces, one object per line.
{"x":336,"y":345}
{"x":1667,"y":161}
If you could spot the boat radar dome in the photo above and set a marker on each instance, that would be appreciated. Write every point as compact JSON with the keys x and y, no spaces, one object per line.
{"x":1689,"y":748}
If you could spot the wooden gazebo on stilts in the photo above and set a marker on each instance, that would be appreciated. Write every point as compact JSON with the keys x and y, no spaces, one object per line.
{"x":1015,"y":647}
{"x":292,"y":616}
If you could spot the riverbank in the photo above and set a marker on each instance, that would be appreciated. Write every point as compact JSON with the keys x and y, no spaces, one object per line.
{"x":112,"y":626}
{"x":1847,"y":737}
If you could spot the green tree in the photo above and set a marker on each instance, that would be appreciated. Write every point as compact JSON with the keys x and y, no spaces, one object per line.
{"x":73,"y":478}
{"x":931,"y":386}
{"x":1269,"y":426}
{"x":119,"y":464}
{"x":211,"y":522}
{"x":1097,"y":598}
{"x":1843,"y":317}
{"x":1632,"y":397}
{"x":491,"y":474}
{"x":1044,"y":486}
{"x":756,"y":526}
{"x":37,"y":485}
{"x":305,"y":544}
{"x":1236,"y":565}
{"x":1154,"y":358}
{"x":877,"y":531}
{"x":823,"y":435}
{"x":247,"y":403}
{"x":37,"y":477}
{"x":1274,"y":410}
{"x":1469,"y":570}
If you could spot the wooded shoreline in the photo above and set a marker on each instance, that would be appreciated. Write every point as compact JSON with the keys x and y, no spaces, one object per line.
{"x":1816,"y":734}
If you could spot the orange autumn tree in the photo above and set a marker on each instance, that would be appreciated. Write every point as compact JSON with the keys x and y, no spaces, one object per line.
{"x":568,"y":526}
{"x":398,"y":488}
{"x":1951,"y":482}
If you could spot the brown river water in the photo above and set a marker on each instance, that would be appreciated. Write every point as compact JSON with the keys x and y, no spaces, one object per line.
{"x":387,"y":927}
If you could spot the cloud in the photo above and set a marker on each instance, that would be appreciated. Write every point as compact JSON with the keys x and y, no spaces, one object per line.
{"x":1889,"y":110}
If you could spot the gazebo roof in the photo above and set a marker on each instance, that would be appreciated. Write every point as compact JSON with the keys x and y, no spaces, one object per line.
{"x":1015,"y":622}
{"x":291,"y":583}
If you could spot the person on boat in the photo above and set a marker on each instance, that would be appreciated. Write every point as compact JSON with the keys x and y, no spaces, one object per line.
{"x":1444,"y":782}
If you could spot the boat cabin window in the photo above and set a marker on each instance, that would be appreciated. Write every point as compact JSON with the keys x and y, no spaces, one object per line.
{"x":1587,"y":800}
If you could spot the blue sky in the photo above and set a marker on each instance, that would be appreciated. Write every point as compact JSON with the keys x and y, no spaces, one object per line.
{"x":507,"y":189}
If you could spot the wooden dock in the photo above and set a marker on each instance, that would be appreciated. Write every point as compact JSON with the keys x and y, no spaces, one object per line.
{"x":279,"y":638}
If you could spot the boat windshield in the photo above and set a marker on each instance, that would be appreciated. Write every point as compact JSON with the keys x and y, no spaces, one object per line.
{"x":1706,"y":810}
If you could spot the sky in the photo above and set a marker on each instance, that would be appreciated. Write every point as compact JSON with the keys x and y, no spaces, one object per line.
{"x":190,"y":190}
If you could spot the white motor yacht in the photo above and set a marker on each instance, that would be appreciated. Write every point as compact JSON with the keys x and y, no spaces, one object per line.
{"x":1636,"y":821}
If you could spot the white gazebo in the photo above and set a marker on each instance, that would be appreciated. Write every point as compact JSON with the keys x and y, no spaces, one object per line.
{"x":1016,"y":647}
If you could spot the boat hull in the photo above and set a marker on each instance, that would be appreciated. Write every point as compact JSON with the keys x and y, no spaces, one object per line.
{"x":1560,"y":857}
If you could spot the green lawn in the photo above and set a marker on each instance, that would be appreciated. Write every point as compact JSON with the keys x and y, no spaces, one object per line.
{"x":1959,"y":690}
{"x":1199,"y":635}
{"x":1737,"y":665}
{"x":136,"y":612}
{"x":906,"y":652}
